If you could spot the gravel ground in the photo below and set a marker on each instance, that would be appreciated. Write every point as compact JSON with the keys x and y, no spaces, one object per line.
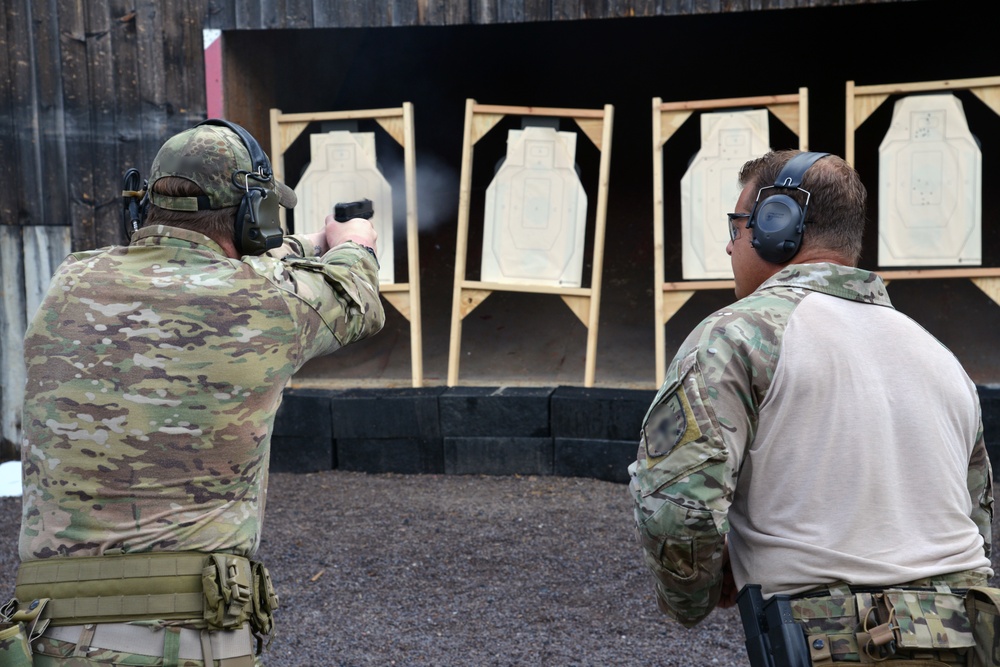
{"x":459,"y":570}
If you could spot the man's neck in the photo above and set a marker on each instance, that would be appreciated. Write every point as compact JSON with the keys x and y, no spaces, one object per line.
{"x":227,"y":244}
{"x":819,"y":256}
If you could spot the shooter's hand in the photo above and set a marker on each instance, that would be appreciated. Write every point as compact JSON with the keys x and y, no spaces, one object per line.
{"x":358,"y":230}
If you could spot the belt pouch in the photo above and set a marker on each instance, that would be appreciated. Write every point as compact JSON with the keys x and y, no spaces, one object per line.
{"x":14,"y":648}
{"x":227,"y":585}
{"x":928,"y":619}
{"x":265,"y":601}
{"x":983,"y":606}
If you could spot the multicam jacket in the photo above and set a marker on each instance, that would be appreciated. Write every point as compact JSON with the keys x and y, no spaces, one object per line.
{"x":154,"y":372}
{"x":822,"y":434}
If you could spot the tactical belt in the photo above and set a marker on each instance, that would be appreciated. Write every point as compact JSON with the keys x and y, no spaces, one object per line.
{"x":219,"y":591}
{"x":107,"y":589}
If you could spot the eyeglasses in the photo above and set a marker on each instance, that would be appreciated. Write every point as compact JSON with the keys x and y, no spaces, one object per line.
{"x":733,"y":229}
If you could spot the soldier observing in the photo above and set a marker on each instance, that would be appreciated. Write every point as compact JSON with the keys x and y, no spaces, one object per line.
{"x":816,"y":452}
{"x":154,"y":372}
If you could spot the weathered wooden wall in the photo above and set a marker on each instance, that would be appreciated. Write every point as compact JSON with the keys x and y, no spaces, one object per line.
{"x":87,"y":90}
{"x":270,"y":14}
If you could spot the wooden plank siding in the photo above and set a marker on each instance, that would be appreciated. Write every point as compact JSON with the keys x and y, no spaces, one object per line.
{"x":73,"y":58}
{"x":28,"y":257}
{"x":12,"y":325}
{"x":91,"y":88}
{"x":8,"y":147}
{"x":126,"y":127}
{"x":285,"y":14}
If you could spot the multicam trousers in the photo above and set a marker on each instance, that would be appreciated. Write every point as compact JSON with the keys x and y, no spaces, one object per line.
{"x":946,"y":621}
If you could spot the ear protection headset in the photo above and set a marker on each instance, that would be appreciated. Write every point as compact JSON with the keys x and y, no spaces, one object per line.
{"x":258,"y":227}
{"x":777,"y":222}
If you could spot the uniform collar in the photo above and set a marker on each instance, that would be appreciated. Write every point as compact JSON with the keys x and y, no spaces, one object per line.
{"x":175,"y":237}
{"x":838,"y":280}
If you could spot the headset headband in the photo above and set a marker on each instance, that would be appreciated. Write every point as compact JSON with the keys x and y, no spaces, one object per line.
{"x":258,"y":157}
{"x":795,"y":169}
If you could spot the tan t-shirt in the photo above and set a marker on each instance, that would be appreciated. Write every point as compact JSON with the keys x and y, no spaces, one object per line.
{"x":825,"y":435}
{"x":858,"y":469}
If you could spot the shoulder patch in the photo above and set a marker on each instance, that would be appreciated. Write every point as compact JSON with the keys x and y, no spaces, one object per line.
{"x":671,"y":425}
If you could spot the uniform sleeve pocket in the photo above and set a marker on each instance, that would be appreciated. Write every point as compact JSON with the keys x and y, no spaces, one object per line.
{"x":675,"y":538}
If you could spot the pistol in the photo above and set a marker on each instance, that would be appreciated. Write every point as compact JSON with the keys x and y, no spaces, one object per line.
{"x":751,"y":604}
{"x":774,"y":638}
{"x":788,"y":637}
{"x":344,"y":211}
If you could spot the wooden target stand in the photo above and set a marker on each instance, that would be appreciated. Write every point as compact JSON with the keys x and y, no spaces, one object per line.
{"x":398,"y":123}
{"x":862,"y":101}
{"x":585,"y":303}
{"x":668,"y":297}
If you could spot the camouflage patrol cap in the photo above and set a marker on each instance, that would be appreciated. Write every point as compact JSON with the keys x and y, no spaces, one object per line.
{"x":217,"y":160}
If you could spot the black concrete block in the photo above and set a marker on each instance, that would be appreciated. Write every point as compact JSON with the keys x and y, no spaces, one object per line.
{"x":302,"y":436}
{"x":989,"y":399}
{"x":492,"y":411}
{"x":601,"y":459}
{"x":304,"y":413}
{"x":599,"y":413}
{"x":301,"y":454}
{"x":387,"y":413}
{"x":399,"y":455}
{"x":498,"y":456}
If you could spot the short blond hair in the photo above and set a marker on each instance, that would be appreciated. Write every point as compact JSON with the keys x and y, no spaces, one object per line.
{"x":837,"y":203}
{"x":218,"y":224}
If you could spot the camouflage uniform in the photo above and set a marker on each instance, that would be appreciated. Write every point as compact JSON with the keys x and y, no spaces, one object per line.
{"x":154,"y":372}
{"x":704,"y":420}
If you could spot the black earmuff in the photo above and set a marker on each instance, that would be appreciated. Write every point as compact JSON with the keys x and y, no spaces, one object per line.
{"x":258,"y":225}
{"x":777,"y":222}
